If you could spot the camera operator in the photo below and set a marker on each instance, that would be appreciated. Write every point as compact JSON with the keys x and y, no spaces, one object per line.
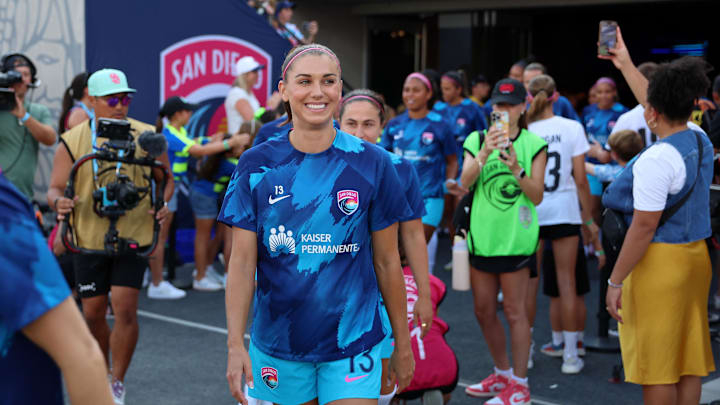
{"x":98,"y":274}
{"x":22,"y":123}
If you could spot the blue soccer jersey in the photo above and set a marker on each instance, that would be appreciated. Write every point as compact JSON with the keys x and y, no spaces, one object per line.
{"x":599,"y":123}
{"x":32,"y":284}
{"x":425,"y":143}
{"x":464,"y":118}
{"x":409,"y":178}
{"x":317,"y":295}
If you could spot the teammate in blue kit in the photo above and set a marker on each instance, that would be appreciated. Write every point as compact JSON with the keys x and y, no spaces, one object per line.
{"x":315,"y":211}
{"x":426,"y":140}
{"x":41,"y":328}
{"x":599,"y":120}
{"x":362,"y":114}
{"x":460,"y":112}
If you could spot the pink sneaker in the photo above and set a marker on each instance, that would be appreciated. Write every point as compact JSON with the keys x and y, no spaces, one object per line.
{"x":493,"y":385}
{"x":514,"y":394}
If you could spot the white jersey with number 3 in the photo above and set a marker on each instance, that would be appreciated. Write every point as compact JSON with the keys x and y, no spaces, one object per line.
{"x":566,"y":139}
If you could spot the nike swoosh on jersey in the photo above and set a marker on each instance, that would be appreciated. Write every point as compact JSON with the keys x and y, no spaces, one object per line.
{"x":349,"y":379}
{"x":272,"y":200}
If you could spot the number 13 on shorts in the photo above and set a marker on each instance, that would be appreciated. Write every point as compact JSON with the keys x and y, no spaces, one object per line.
{"x":362,"y":363}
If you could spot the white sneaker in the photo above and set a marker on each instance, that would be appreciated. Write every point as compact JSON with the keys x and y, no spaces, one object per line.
{"x":118,"y":392}
{"x":206,"y":284}
{"x":165,"y":291}
{"x":572,"y":365}
{"x":146,"y":278}
{"x":214,"y":275}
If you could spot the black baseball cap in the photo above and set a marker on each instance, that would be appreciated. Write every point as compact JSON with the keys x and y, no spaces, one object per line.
{"x":175,"y":104}
{"x":508,"y":91}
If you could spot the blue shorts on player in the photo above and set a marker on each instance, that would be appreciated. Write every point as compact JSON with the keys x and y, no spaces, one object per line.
{"x":296,"y":382}
{"x":433,"y":211}
{"x":596,"y":187}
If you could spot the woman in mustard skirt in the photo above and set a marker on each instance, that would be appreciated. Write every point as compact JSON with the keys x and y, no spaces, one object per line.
{"x":659,"y":286}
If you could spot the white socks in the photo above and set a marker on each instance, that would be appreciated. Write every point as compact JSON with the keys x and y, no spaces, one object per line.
{"x":557,"y":338}
{"x":505,"y":373}
{"x":385,"y":399}
{"x":521,"y":381}
{"x":510,"y":375}
{"x":570,"y":349}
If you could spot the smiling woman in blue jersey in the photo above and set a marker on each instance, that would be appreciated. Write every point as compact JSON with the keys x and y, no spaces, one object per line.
{"x":425,"y":139}
{"x":315,"y":211}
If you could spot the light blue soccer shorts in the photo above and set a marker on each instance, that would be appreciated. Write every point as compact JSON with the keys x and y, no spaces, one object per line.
{"x":388,"y":342}
{"x":295,"y":382}
{"x":596,"y":187}
{"x":433,"y":211}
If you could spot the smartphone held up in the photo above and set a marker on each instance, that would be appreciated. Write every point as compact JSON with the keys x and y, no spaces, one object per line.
{"x":607,"y":36}
{"x":501,"y":121}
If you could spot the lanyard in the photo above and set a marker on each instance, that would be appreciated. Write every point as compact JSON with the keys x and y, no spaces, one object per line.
{"x":121,"y":153}
{"x":90,"y":113}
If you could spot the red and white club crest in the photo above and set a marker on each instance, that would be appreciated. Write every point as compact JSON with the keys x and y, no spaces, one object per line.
{"x":201,"y":69}
{"x":269,"y":376}
{"x":348,"y":201}
{"x":428,"y":137}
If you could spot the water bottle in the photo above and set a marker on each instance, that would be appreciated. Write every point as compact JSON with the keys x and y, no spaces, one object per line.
{"x":460,"y":264}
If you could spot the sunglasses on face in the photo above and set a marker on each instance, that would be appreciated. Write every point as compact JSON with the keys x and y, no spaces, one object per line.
{"x":114,"y":100}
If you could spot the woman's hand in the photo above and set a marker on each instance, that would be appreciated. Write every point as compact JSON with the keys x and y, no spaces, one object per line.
{"x":402,"y":367}
{"x":64,"y":206}
{"x":591,"y":233}
{"x":455,"y":188}
{"x":239,"y":364}
{"x":613,"y":300}
{"x":620,"y":56}
{"x":596,"y":150}
{"x":423,"y":315}
{"x":509,"y":157}
{"x":161,"y":214}
{"x":494,"y":139}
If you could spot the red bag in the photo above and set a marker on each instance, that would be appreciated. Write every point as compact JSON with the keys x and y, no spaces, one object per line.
{"x":435,"y":364}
